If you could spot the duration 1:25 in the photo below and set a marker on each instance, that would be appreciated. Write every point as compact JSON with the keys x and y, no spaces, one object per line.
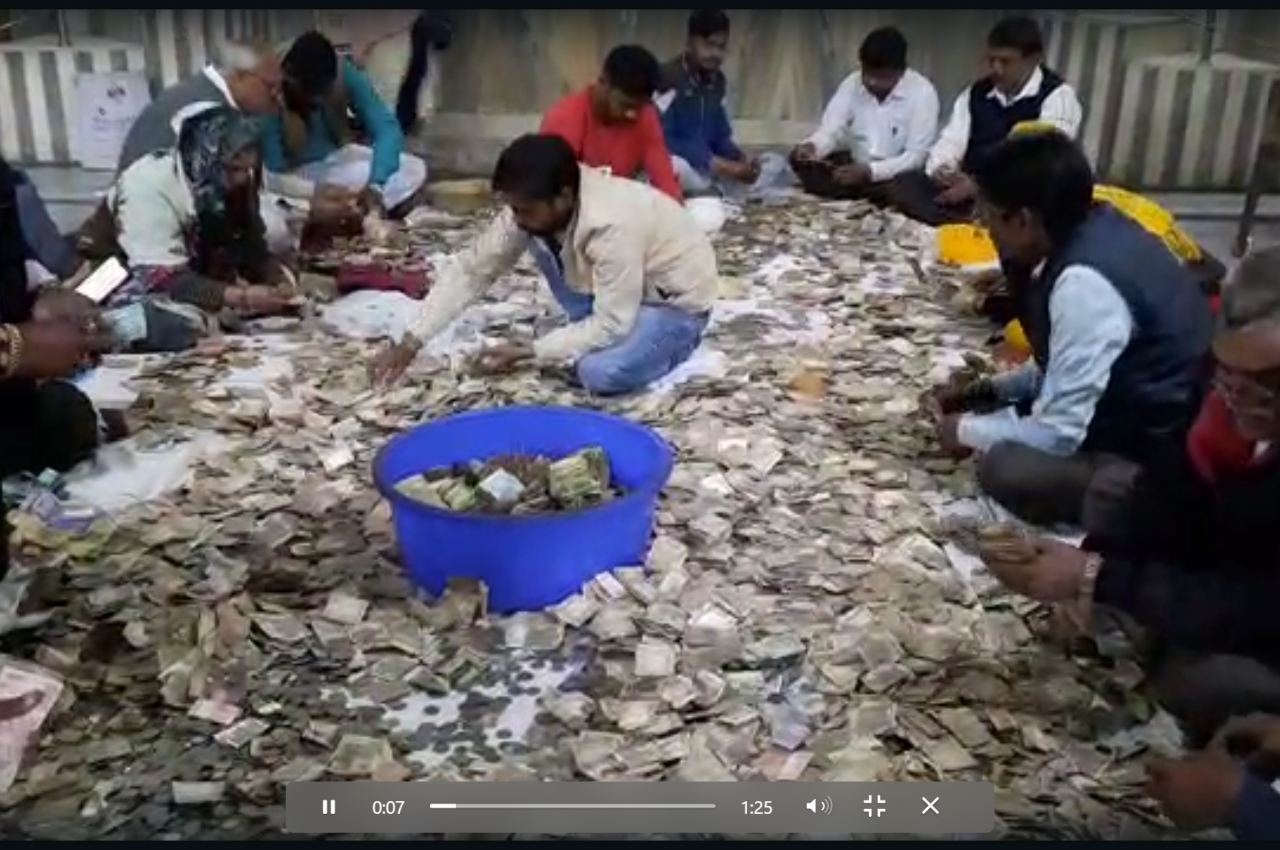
{"x":757,"y":807}
{"x":388,"y":807}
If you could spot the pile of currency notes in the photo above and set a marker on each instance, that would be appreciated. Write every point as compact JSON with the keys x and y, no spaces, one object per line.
{"x":517,"y":484}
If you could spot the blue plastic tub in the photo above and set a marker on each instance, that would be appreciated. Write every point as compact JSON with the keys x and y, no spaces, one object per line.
{"x":527,"y":562}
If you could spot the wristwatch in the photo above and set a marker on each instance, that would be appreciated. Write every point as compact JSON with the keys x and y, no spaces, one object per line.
{"x":1075,"y":619}
{"x":1089,"y":578}
{"x":10,"y":350}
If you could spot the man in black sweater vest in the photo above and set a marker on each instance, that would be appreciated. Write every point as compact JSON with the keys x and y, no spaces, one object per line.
{"x":1118,"y":331}
{"x":1018,"y":88}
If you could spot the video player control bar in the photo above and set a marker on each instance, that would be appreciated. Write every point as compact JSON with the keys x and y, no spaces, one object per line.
{"x":920,"y":808}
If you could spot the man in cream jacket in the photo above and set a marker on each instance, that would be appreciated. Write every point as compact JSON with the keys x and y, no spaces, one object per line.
{"x":634,"y":277}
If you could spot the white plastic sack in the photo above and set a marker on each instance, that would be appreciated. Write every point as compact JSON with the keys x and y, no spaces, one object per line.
{"x":709,"y":213}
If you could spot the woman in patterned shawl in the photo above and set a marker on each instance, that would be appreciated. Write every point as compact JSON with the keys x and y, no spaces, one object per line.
{"x":187,"y":225}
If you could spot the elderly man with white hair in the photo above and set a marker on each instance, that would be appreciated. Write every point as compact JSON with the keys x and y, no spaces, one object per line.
{"x":250,"y":80}
{"x":243,"y":77}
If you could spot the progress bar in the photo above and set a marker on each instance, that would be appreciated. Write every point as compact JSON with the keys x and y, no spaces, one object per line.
{"x":674,"y":808}
{"x":573,"y":805}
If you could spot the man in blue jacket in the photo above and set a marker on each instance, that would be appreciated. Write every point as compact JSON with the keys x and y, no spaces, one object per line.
{"x":329,"y":104}
{"x":694,"y":119}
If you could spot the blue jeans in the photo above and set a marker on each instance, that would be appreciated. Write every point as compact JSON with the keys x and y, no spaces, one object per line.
{"x":773,"y":175}
{"x":662,"y":338}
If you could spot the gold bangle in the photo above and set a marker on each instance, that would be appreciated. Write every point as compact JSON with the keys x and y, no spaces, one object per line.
{"x":13,"y":350}
{"x":16,"y":348}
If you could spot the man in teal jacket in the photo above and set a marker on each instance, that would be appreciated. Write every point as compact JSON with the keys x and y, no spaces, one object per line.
{"x":329,"y":104}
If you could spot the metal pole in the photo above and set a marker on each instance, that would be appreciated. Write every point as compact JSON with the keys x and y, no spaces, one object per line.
{"x":1207,"y":34}
{"x":1266,"y":168}
{"x":64,"y":32}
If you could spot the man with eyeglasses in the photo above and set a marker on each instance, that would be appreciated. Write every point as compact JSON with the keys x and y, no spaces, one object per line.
{"x":243,"y":78}
{"x":1119,"y":334}
{"x":1194,"y":566}
{"x":248,"y":79}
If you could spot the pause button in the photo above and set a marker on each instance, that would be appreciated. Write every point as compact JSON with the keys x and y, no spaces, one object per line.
{"x":328,"y":807}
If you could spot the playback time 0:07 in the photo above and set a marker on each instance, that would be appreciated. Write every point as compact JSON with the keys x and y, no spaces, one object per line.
{"x":388,"y":807}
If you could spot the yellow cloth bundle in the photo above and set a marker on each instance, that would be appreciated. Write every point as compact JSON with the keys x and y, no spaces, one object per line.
{"x":1015,"y":338}
{"x":1024,"y":128}
{"x":968,"y":245}
{"x":1154,"y":218}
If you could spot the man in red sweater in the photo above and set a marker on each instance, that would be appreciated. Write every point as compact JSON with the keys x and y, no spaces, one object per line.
{"x":1194,"y":556}
{"x":613,"y":123}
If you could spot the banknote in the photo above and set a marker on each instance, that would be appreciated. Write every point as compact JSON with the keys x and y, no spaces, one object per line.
{"x":27,"y":696}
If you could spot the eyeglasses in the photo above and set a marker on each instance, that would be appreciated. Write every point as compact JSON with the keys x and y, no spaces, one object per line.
{"x":1247,"y":392}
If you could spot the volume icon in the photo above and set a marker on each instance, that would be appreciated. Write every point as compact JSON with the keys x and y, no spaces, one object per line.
{"x":824,"y":805}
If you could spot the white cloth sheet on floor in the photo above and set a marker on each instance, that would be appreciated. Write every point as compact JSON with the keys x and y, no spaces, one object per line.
{"x":137,"y":469}
{"x":126,"y":474}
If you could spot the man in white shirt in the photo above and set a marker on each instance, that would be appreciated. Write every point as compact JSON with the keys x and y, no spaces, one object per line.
{"x":1018,"y":88}
{"x":878,"y":126}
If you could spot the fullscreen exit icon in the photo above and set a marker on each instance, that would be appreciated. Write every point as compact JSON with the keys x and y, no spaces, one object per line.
{"x":874,"y":805}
